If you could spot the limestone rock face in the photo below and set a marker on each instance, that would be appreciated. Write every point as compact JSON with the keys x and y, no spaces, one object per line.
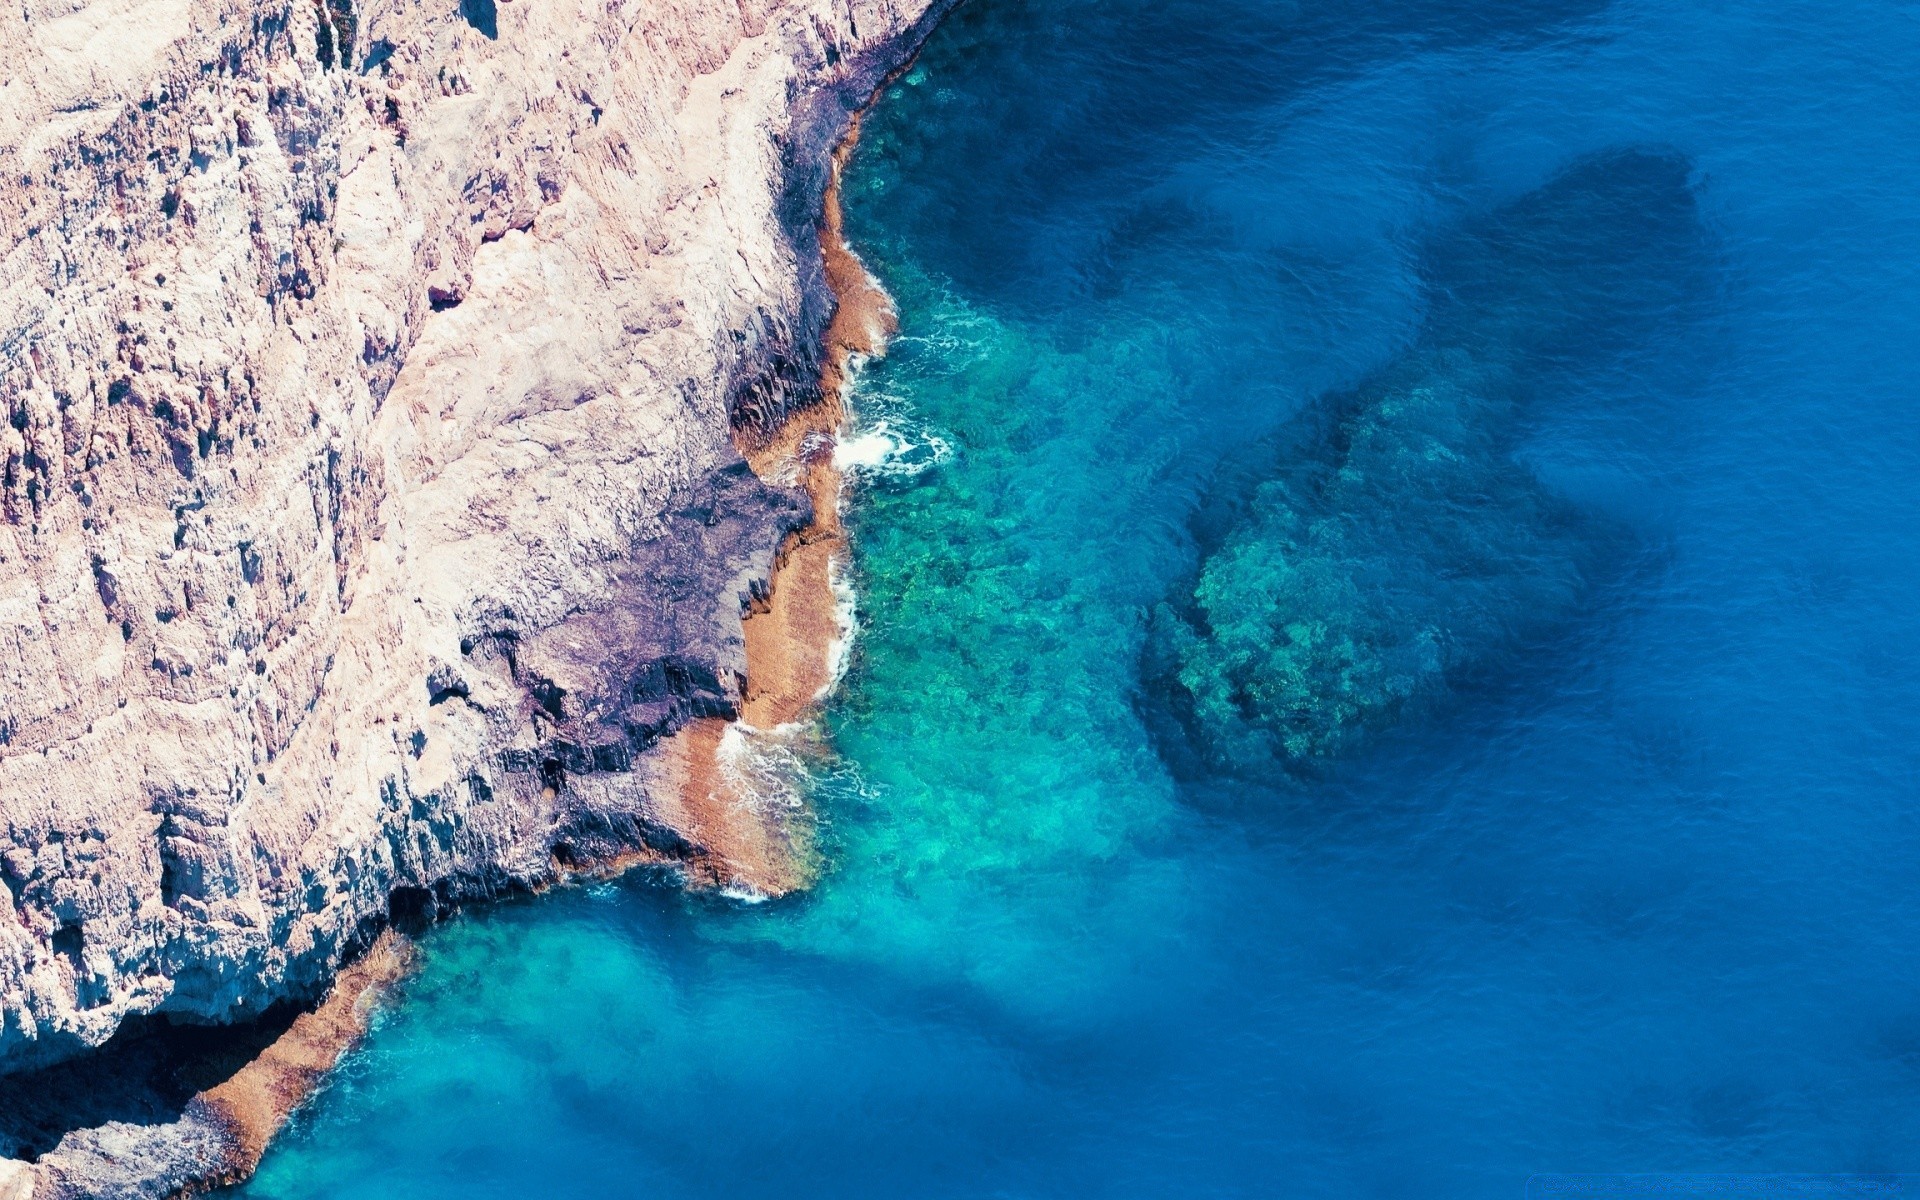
{"x":16,"y":1180}
{"x":370,"y":374}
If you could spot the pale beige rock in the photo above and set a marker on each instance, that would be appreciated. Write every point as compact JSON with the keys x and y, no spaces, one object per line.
{"x":368,"y":504}
{"x":16,"y":1180}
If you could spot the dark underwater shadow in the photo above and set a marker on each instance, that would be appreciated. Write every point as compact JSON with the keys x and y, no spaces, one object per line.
{"x":1091,"y":100}
{"x":1390,"y":554}
{"x":144,"y":1075}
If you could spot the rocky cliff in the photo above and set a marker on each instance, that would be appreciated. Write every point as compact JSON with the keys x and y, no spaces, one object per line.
{"x":373,"y":379}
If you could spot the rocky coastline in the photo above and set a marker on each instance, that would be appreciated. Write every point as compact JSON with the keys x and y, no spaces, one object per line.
{"x":792,"y":631}
{"x":418,"y":457}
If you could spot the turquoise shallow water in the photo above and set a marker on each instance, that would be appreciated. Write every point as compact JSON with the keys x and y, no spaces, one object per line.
{"x":1387,"y":661}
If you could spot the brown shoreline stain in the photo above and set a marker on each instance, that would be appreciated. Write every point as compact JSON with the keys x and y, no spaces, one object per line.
{"x":253,"y":1104}
{"x":747,"y":839}
{"x":755,"y":839}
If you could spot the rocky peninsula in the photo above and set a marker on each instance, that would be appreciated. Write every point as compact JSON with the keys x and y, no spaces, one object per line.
{"x":407,"y":410}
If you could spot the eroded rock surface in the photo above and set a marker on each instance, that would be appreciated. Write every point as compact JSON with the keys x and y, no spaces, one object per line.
{"x":370,"y":376}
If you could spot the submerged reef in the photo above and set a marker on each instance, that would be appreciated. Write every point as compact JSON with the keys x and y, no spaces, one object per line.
{"x":1398,"y":542}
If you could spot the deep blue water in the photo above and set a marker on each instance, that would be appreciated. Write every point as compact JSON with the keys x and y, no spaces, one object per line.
{"x":1389,"y":657}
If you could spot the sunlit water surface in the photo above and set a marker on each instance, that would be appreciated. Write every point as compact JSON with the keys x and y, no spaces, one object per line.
{"x":1389,"y":658}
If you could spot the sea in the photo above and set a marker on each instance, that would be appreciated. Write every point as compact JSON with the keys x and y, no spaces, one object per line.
{"x":1386,"y":561}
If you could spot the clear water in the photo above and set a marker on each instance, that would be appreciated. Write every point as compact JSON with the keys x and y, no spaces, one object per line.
{"x":1389,"y":657}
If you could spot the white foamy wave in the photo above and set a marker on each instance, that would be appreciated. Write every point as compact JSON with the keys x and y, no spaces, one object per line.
{"x":953,"y":333}
{"x":886,"y":449}
{"x":846,"y":625}
{"x":767,"y":767}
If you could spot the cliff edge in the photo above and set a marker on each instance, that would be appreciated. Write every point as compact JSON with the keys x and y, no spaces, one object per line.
{"x":374,"y":377}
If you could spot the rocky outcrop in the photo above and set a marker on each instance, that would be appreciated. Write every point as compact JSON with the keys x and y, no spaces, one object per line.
{"x":372,"y":374}
{"x":152,"y":1118}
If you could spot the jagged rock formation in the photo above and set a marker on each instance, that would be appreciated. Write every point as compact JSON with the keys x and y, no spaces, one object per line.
{"x":370,"y":377}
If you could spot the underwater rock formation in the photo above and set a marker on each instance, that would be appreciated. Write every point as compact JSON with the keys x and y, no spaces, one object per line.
{"x":1400,"y":544}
